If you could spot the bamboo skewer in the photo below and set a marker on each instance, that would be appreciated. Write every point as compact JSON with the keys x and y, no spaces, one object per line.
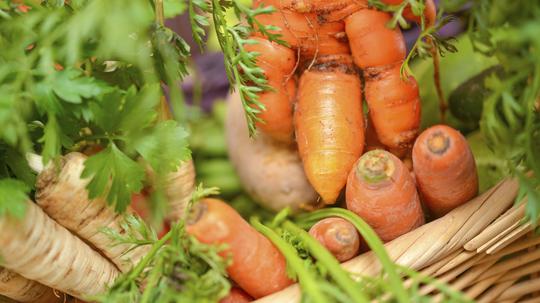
{"x":516,"y":234}
{"x":520,"y":289}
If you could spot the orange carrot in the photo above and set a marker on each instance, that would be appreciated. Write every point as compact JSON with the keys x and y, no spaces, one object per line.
{"x":372,"y":141}
{"x":257,"y":265}
{"x":381,"y":191}
{"x":329,"y":123}
{"x":305,"y":31}
{"x":339,"y":236}
{"x":430,"y":11}
{"x":389,"y":97}
{"x":278,"y":63}
{"x":445,"y":169}
{"x":236,"y":295}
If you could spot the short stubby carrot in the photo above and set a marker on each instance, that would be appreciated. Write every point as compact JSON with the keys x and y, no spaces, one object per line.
{"x":381,"y":191}
{"x":278,"y":63}
{"x":339,"y":236}
{"x":430,"y":11}
{"x":329,"y":123}
{"x":305,"y":31}
{"x":445,"y":169}
{"x":257,"y":265}
{"x":389,"y":97}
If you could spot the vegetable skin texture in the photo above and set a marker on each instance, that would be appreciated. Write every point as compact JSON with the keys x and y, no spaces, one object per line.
{"x":261,"y":158}
{"x":278,"y":63}
{"x":42,"y":250}
{"x":329,"y":124}
{"x":179,"y":189}
{"x":20,"y":289}
{"x":236,"y":295}
{"x":445,"y":169}
{"x":381,"y":191}
{"x":303,"y":31}
{"x":389,"y":97}
{"x":257,"y":265}
{"x":339,"y":236}
{"x":63,"y":196}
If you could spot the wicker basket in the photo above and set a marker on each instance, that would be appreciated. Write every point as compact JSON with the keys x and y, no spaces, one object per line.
{"x":482,"y":248}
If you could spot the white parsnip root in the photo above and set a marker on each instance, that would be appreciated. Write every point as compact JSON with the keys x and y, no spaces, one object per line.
{"x":63,"y":196}
{"x":20,"y":289}
{"x":42,"y":250}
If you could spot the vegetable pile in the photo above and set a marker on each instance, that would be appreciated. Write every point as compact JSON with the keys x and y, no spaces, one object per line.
{"x":114,"y":189}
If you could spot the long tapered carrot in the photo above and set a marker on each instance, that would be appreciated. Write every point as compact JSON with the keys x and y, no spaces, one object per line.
{"x":278,"y":63}
{"x":257,"y":265}
{"x":39,"y":249}
{"x":305,"y":31}
{"x":390,"y":98}
{"x":381,"y":191}
{"x":445,"y":169}
{"x":63,"y":196}
{"x":329,"y":123}
{"x":339,"y":236}
{"x":20,"y":289}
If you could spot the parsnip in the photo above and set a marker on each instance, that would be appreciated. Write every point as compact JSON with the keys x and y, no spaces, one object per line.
{"x":20,"y":289}
{"x":63,"y":196}
{"x":39,"y":249}
{"x":271,"y":172}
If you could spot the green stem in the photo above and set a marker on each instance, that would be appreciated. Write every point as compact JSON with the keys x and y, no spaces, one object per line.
{"x":160,"y":14}
{"x":395,"y":283}
{"x":306,"y":280}
{"x":152,"y":282}
{"x":337,"y":272}
{"x":146,"y":260}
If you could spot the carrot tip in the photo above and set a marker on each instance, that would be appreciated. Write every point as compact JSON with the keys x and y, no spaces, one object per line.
{"x":196,"y":213}
{"x":438,"y":143}
{"x":375,"y":166}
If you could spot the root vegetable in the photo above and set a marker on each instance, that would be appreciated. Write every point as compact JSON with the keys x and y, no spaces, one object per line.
{"x":20,"y":289}
{"x":270,"y":172}
{"x":42,"y":250}
{"x":339,"y":236}
{"x":257,"y":265}
{"x":63,"y":196}
{"x":329,"y":123}
{"x":236,"y":295}
{"x":179,"y":189}
{"x":445,"y":169}
{"x":380,"y":189}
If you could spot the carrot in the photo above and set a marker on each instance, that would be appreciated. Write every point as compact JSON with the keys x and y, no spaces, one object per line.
{"x":278,"y":63}
{"x":372,"y":141}
{"x":236,"y":295}
{"x":63,"y":196}
{"x":445,"y":169}
{"x":381,"y":191}
{"x":39,"y":249}
{"x":329,"y":123}
{"x":430,"y":12}
{"x":20,"y":289}
{"x":389,"y":97}
{"x":257,"y":265}
{"x":304,"y":31}
{"x":339,"y":236}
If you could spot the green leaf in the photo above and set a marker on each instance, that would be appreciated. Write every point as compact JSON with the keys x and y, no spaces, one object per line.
{"x":51,"y":139}
{"x":13,"y":197}
{"x":164,"y":146}
{"x":72,"y":87}
{"x":114,"y":175}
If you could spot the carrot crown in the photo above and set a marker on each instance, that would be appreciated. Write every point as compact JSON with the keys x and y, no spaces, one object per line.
{"x":375,"y":166}
{"x":438,"y":143}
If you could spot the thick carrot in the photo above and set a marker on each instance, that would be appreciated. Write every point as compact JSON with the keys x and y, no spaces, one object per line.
{"x":372,"y":140}
{"x":389,"y":97}
{"x":430,"y":12}
{"x":305,"y":31}
{"x":381,"y":190}
{"x":329,"y":123}
{"x":257,"y":265}
{"x":63,"y":196}
{"x":278,"y":63}
{"x":236,"y":295}
{"x":20,"y":289}
{"x":339,"y":236}
{"x":39,"y":249}
{"x":326,"y":10}
{"x":445,"y":169}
